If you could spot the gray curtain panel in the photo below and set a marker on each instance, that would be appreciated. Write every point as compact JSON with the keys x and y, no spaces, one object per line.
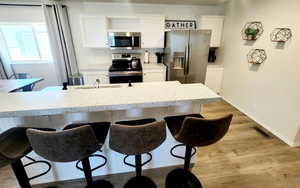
{"x":3,"y":74}
{"x":60,"y":36}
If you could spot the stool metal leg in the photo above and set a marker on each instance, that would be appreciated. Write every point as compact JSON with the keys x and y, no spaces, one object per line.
{"x":138,"y":165}
{"x":20,"y":173}
{"x":183,"y":178}
{"x":187,"y":158}
{"x":87,"y":170}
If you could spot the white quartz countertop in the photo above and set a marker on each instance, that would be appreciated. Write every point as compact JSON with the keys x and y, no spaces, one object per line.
{"x":144,"y":95}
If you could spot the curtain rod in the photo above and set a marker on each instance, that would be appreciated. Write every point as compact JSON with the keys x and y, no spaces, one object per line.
{"x":20,"y":5}
{"x":25,"y":5}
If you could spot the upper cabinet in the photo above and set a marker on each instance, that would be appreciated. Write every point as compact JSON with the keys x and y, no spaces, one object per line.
{"x":95,"y":28}
{"x":152,"y":28}
{"x":94,"y":31}
{"x":215,"y":24}
{"x":153,"y":31}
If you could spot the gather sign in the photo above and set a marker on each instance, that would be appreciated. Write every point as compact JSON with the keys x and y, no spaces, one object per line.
{"x":180,"y":24}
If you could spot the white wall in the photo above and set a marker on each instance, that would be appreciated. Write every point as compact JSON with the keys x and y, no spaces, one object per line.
{"x":21,"y":14}
{"x":94,"y":58}
{"x":269,"y":93}
{"x":12,"y":14}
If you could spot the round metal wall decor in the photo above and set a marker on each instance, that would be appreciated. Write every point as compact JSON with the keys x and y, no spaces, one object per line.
{"x":252,"y":31}
{"x":257,"y":56}
{"x":281,"y":35}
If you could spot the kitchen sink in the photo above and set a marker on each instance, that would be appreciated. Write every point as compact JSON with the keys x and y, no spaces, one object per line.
{"x":113,"y":86}
{"x":94,"y":87}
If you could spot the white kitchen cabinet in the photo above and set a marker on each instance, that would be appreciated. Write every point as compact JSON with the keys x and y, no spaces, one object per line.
{"x":153,"y":31}
{"x":94,"y":31}
{"x":215,"y":24}
{"x":154,"y":72}
{"x":154,"y":76}
{"x":214,"y":78}
{"x":91,"y":77}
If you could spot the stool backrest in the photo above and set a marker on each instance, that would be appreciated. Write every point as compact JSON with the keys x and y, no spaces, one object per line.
{"x":202,"y":132}
{"x":9,"y":139}
{"x":136,"y":140}
{"x":64,"y":146}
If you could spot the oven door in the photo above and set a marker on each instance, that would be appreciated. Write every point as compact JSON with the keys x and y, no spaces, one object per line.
{"x":125,"y":77}
{"x":124,"y":40}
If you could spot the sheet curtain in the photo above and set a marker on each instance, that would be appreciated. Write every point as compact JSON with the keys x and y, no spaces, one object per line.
{"x":3,"y":73}
{"x":60,"y":36}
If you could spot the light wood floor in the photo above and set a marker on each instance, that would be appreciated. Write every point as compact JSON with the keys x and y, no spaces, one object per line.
{"x":245,"y":158}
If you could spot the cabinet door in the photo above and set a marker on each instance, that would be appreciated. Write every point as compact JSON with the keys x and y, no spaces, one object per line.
{"x":94,"y":31}
{"x":104,"y":79}
{"x":215,"y":24}
{"x":91,"y":77}
{"x":153,"y":31}
{"x":154,"y":76}
{"x":214,"y":78}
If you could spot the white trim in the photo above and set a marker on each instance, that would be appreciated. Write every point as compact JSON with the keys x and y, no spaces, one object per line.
{"x":274,"y":132}
{"x":30,"y":62}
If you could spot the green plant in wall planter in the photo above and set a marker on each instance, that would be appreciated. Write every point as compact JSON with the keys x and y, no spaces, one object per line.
{"x":252,"y":30}
{"x":251,"y":33}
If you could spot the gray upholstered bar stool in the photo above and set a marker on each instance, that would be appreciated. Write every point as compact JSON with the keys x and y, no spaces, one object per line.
{"x":135,"y":138}
{"x":101,"y":132}
{"x":192,"y":131}
{"x":14,"y":145}
{"x":68,"y":146}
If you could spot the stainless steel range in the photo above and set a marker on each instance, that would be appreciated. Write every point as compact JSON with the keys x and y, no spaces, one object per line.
{"x":125,"y":68}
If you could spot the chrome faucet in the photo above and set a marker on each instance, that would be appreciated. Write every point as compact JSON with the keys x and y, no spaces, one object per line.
{"x":98,"y":83}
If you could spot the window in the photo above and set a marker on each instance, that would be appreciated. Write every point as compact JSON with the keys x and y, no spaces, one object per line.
{"x":26,"y":42}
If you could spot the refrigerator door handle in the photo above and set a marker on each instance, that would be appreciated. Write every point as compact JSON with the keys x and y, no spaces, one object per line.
{"x":189,"y":58}
{"x":185,"y":59}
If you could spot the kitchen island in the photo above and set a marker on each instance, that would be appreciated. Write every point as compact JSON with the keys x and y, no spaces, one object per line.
{"x":54,"y":108}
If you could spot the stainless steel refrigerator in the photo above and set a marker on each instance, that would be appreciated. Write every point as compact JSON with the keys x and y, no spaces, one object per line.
{"x":186,"y":55}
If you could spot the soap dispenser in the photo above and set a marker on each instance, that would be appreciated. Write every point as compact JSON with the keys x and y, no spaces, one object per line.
{"x":146,"y":57}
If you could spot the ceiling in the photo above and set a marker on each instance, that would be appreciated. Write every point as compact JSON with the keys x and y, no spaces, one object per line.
{"x":186,"y":2}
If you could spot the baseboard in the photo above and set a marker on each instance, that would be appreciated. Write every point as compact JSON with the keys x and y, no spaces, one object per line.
{"x":274,"y":132}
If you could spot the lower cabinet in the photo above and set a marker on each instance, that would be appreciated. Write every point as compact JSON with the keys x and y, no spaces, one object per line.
{"x":214,"y":78}
{"x":91,"y":77}
{"x":154,"y":76}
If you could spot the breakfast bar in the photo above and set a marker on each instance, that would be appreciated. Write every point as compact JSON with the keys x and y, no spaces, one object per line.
{"x":55,"y":108}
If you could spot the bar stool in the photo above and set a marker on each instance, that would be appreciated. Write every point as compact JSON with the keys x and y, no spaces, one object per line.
{"x":193,"y":131}
{"x":14,"y":145}
{"x":101,"y":131}
{"x":68,"y":146}
{"x":137,"y":137}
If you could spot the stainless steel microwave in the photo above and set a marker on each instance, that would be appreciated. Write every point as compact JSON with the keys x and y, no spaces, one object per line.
{"x":124,"y":40}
